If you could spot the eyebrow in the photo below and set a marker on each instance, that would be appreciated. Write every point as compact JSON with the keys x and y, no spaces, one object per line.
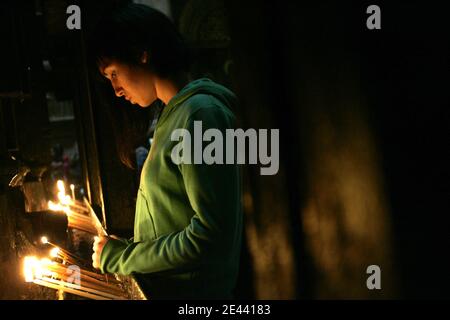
{"x":103,"y":72}
{"x":103,"y":68}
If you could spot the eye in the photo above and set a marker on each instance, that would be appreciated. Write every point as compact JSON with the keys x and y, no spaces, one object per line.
{"x":113,"y":75}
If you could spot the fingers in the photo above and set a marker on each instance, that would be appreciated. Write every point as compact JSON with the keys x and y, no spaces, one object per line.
{"x":95,"y":262}
{"x":95,"y":256}
{"x":99,"y":244}
{"x":96,"y":242}
{"x":99,"y":241}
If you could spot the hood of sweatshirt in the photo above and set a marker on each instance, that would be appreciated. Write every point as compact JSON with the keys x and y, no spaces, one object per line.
{"x":203,"y":86}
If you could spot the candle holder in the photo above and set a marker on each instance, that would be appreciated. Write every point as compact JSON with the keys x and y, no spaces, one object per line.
{"x":68,"y":269}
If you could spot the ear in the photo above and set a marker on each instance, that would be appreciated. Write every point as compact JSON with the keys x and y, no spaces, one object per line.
{"x":144,"y":57}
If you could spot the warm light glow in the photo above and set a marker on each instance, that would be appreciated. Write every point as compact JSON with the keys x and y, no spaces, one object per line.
{"x":64,"y":198}
{"x":36,"y":269}
{"x":53,"y":206}
{"x":54,"y":252}
{"x":60,"y":185}
{"x":42,"y":269}
{"x":61,"y":197}
{"x":28,"y":267}
{"x":57,"y":207}
{"x":44,"y":240}
{"x":67,"y":200}
{"x":72,"y":187}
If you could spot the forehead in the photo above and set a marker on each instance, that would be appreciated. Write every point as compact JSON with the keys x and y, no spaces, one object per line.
{"x":105,"y":64}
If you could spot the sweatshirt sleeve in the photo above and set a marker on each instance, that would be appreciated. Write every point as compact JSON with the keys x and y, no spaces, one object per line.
{"x":213,"y":193}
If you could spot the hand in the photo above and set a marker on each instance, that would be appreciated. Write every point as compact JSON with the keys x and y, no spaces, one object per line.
{"x":99,"y":244}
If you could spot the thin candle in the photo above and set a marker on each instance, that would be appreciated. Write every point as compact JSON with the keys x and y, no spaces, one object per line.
{"x":69,"y":290}
{"x":72,"y":188}
{"x":83,"y":228}
{"x":67,"y":201}
{"x":45,"y":271}
{"x":80,"y":218}
{"x":45,"y":240}
{"x":98,"y":225}
{"x":87,"y":281}
{"x":76,"y":221}
{"x":89,"y":273}
{"x":76,"y":206}
{"x":89,"y":290}
{"x":57,"y":253}
{"x":62,"y":253}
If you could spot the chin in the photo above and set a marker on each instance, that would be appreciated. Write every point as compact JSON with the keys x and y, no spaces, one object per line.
{"x":145,"y":104}
{"x":142,"y":105}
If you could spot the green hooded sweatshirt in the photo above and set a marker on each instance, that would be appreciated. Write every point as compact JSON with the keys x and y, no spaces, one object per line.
{"x":188,"y":220}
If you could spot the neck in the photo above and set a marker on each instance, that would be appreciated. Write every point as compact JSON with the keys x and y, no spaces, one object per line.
{"x":166,"y":89}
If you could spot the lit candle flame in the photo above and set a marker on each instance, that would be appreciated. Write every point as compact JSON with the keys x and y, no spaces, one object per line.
{"x":61,"y":187}
{"x":53,"y":206}
{"x":62,"y":197}
{"x":67,"y":200}
{"x":72,"y":188}
{"x":44,"y":240}
{"x":54,"y":252}
{"x":29,"y":265}
{"x":36,"y":269}
{"x":57,"y":207}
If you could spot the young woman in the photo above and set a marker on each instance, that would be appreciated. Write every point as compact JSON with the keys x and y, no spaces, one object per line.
{"x":188,"y":219}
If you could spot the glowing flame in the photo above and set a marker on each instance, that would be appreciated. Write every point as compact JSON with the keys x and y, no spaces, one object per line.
{"x":54,"y":207}
{"x":66,"y":200}
{"x":57,"y":207}
{"x":61,"y":197}
{"x":54,"y":252}
{"x":44,"y":240}
{"x":30,"y":264}
{"x":61,"y":187}
{"x":36,"y":269}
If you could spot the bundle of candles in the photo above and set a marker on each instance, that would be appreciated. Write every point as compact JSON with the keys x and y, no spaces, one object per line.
{"x":65,"y":271}
{"x":65,"y":275}
{"x":79,"y":214}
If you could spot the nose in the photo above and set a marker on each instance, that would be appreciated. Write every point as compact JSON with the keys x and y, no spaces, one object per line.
{"x":118,"y":90}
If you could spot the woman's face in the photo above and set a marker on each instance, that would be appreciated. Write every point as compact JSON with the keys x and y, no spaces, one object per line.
{"x":134,"y":83}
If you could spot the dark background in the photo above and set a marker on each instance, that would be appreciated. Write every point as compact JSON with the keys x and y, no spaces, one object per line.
{"x":364,"y":136}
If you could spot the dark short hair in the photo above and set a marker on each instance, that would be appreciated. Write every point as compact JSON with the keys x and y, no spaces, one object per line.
{"x":130,"y":30}
{"x":123,"y":35}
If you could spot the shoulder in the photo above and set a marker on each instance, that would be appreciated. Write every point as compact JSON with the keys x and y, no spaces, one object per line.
{"x":203,"y":101}
{"x":207,"y":107}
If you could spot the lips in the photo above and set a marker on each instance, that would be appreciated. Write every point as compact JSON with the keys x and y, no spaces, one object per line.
{"x":128,"y":98}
